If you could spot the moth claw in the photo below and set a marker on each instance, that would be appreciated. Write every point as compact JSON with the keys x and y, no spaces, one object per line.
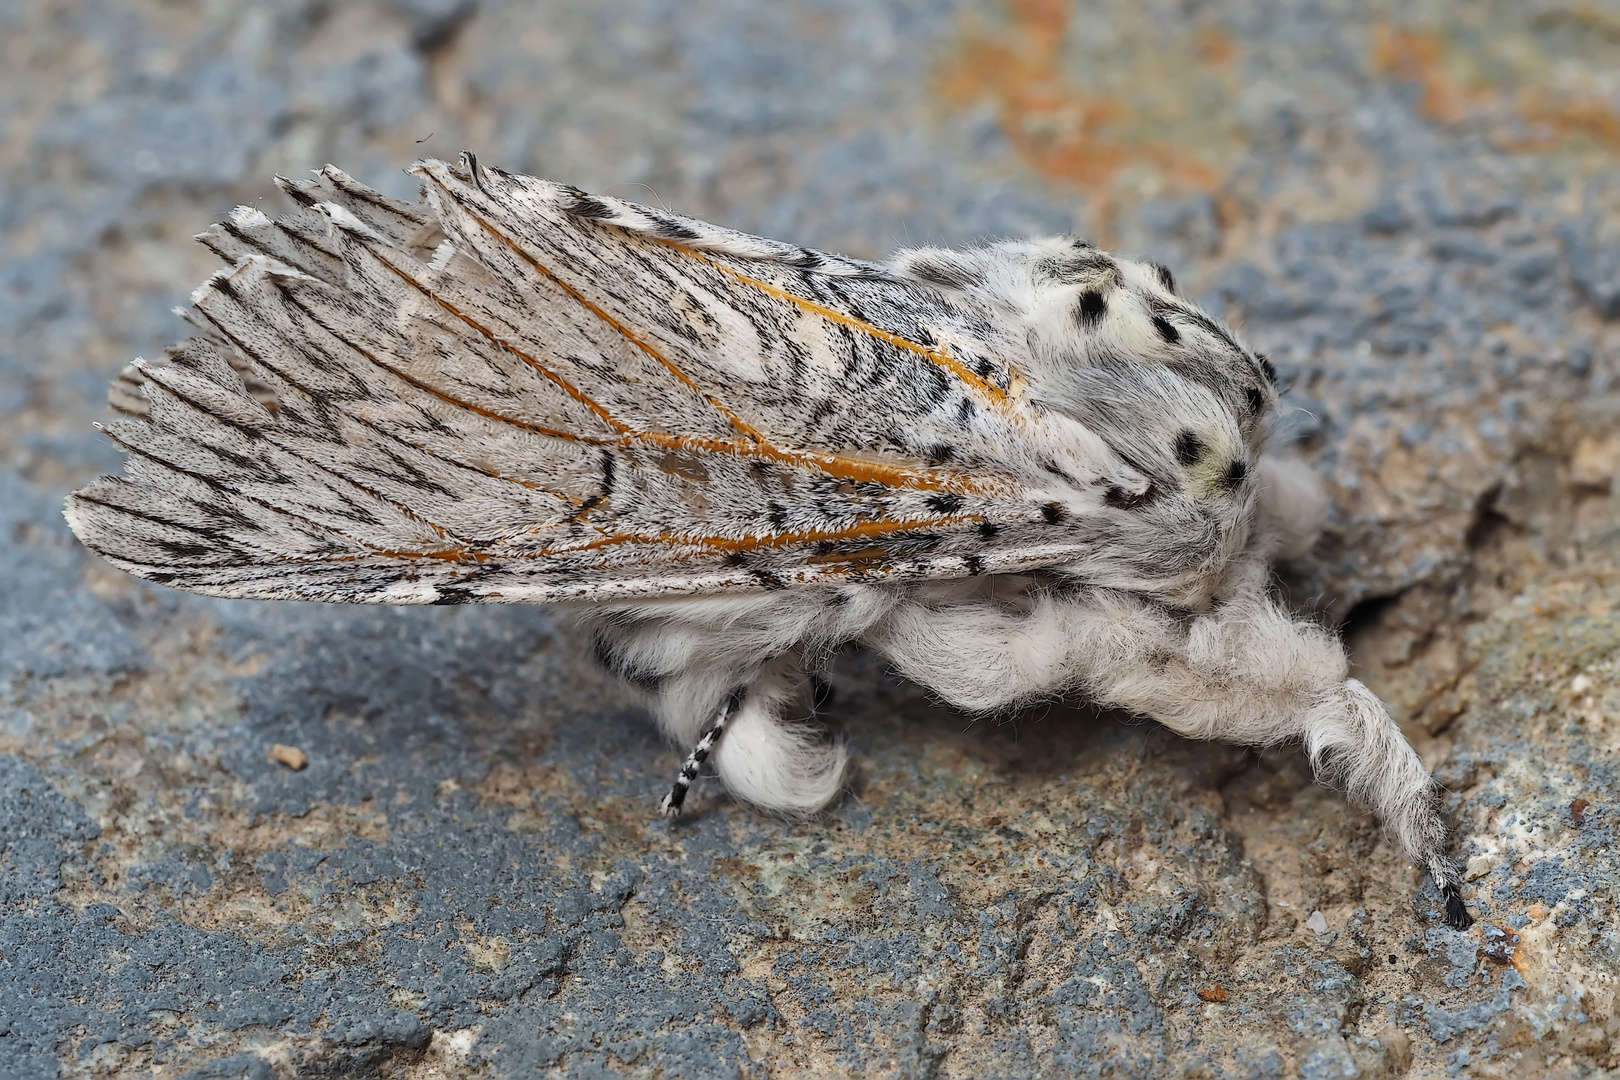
{"x":1457,"y":916}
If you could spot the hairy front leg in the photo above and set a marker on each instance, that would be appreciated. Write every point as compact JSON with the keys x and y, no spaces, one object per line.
{"x":1246,"y":672}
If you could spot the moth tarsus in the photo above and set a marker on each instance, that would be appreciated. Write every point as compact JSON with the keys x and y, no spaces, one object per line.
{"x":1013,"y":471}
{"x":671,"y":806}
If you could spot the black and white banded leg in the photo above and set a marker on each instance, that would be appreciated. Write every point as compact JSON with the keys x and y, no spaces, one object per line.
{"x":700,"y":753}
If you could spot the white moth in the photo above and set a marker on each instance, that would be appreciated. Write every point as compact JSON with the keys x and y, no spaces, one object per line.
{"x":1013,"y":471}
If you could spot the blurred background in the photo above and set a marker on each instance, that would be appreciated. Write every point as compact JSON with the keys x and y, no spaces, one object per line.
{"x":1413,"y":207}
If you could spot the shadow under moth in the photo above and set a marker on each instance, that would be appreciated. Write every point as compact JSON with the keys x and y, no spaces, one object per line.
{"x":1014,"y":471}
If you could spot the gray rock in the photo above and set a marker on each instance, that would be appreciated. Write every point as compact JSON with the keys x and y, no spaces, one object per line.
{"x":1594,"y":264}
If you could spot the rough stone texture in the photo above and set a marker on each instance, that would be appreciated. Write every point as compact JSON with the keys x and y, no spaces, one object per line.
{"x":1410,"y":206}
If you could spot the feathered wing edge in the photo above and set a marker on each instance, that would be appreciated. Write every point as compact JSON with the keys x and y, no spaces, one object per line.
{"x":238,"y":482}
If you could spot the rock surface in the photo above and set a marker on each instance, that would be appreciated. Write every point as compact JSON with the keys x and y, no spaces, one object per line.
{"x":1410,"y":207}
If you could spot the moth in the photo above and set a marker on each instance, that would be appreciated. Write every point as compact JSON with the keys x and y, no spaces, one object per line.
{"x":1016,"y":471}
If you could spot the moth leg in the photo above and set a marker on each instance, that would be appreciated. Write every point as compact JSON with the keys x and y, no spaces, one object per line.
{"x":976,"y":655}
{"x":772,"y":756}
{"x":769,"y":755}
{"x":671,"y":806}
{"x":1249,"y":672}
{"x":1246,"y":672}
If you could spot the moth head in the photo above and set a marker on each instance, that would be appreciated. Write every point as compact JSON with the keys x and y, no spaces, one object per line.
{"x":1179,"y":478}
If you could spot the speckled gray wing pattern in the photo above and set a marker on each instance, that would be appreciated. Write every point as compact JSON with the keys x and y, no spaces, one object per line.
{"x":514,"y":391}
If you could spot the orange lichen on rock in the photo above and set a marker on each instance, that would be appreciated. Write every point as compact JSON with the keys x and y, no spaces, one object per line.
{"x":1595,"y":121}
{"x":1215,"y":46}
{"x":1061,"y":129}
{"x":1419,"y":56}
{"x":1428,"y":58}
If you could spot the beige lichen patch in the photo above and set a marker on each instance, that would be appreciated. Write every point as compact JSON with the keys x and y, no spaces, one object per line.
{"x":487,"y":953}
{"x":153,"y":795}
{"x":446,"y":1057}
{"x":511,"y":784}
{"x":1595,"y":462}
{"x":237,"y":898}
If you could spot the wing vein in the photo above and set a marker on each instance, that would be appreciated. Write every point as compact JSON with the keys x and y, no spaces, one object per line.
{"x":629,"y":335}
{"x":401,"y":507}
{"x":567,"y":387}
{"x":447,"y":399}
{"x":836,"y":465}
{"x":986,"y":389}
{"x":865,"y":530}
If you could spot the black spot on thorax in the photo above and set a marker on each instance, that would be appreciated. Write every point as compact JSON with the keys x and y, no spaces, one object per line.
{"x":1236,"y":473}
{"x":1189,"y":448}
{"x":1166,"y":329}
{"x":1091,"y":309}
